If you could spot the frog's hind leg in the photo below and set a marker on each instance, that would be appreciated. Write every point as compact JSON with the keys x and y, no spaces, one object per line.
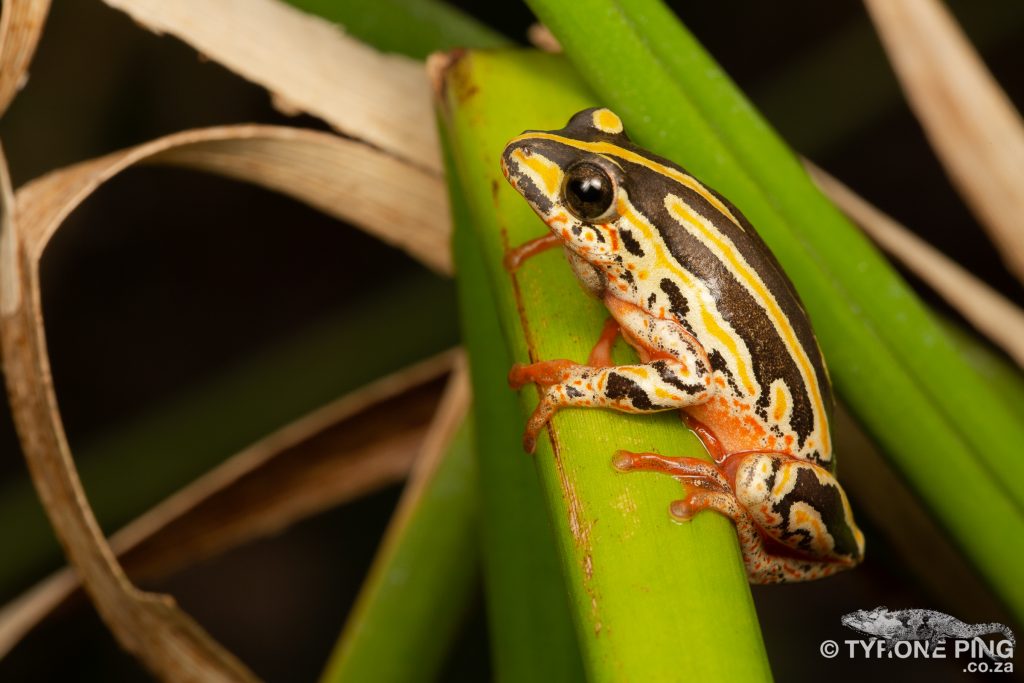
{"x":761,"y":566}
{"x":708,"y":489}
{"x":693,"y":471}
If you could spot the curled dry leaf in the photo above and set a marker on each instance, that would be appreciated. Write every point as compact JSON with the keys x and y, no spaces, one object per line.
{"x":309,"y":64}
{"x":342,"y":177}
{"x":346,"y":449}
{"x":150,"y":626}
{"x":969,"y":120}
{"x":991,"y":313}
{"x":21,"y":24}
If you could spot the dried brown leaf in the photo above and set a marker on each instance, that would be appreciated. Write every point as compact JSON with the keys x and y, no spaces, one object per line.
{"x":969,"y":120}
{"x":342,"y":177}
{"x":346,"y":449}
{"x":21,"y":24}
{"x":309,"y":64}
{"x":991,"y":313}
{"x":162,"y":637}
{"x":541,"y":37}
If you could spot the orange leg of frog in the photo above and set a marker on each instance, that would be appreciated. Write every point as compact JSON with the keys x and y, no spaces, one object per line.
{"x":708,"y":489}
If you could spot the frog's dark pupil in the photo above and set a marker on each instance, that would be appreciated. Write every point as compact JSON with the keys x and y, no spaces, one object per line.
{"x":588,"y":191}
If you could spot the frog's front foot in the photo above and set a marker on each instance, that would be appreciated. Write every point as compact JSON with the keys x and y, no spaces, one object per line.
{"x":544,"y":411}
{"x":547,"y":375}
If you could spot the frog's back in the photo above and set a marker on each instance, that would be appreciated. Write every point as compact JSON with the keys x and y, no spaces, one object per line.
{"x":740,"y":304}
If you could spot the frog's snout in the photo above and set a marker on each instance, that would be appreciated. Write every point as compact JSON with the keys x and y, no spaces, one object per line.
{"x":507,"y":156}
{"x":511,"y":163}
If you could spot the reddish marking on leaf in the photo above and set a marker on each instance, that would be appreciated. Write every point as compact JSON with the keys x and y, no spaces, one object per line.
{"x":578,"y":527}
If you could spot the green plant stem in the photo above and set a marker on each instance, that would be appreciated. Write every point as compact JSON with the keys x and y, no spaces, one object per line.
{"x":652,"y":600}
{"x":414,"y":28}
{"x":947,"y":431}
{"x":422,"y":579}
{"x":532,"y":637}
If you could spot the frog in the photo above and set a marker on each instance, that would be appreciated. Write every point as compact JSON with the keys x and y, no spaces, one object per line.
{"x":720,"y":333}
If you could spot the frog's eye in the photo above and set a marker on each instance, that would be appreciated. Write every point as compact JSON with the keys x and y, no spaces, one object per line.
{"x":589,"y":192}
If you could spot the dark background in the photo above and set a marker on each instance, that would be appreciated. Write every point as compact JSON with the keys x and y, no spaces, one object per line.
{"x":137,"y":314}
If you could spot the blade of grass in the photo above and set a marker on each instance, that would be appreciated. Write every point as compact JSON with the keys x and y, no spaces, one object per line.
{"x":413,"y":28}
{"x":640,"y":585}
{"x":941,"y":422}
{"x":165,"y":640}
{"x":341,"y":177}
{"x":1006,"y":379}
{"x":522,"y":576}
{"x":421,"y":581}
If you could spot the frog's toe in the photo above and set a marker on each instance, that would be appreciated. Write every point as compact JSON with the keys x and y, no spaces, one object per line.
{"x":529,"y":442}
{"x":541,"y":415}
{"x":682,"y":510}
{"x":518,"y":376}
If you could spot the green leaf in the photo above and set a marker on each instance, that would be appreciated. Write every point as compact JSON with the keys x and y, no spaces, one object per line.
{"x":419,"y":588}
{"x":414,"y":28}
{"x":652,"y":599}
{"x":947,"y":431}
{"x":531,"y":629}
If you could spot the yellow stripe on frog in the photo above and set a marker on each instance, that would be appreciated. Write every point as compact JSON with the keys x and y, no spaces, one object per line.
{"x":726,"y":251}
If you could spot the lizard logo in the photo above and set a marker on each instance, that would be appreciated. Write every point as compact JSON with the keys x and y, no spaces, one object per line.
{"x":919,"y":625}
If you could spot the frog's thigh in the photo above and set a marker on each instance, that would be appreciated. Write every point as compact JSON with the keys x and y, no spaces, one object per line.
{"x":707,"y":489}
{"x":762,"y":567}
{"x":800,"y":505}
